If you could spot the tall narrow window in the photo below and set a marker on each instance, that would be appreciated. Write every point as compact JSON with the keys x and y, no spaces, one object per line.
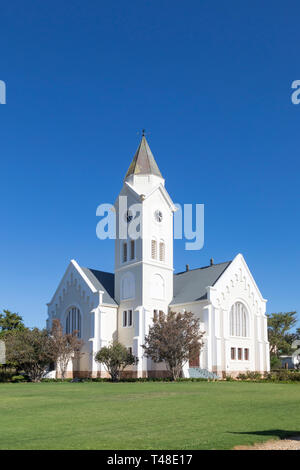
{"x":153,"y":249}
{"x":161,"y":251}
{"x":73,"y":321}
{"x":68,"y":324}
{"x":238,"y":319}
{"x":73,"y":317}
{"x":124,"y":252}
{"x":244,"y":323}
{"x":132,"y":254}
{"x":246,"y":354}
{"x":79,"y":323}
{"x":155,"y":315}
{"x":127,"y":318}
{"x":232,"y":354}
{"x":239,"y":354}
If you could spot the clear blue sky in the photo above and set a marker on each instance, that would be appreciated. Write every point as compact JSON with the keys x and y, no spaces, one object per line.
{"x":209,"y":80}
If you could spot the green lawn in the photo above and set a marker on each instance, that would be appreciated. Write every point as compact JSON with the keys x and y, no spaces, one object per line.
{"x":215,"y":415}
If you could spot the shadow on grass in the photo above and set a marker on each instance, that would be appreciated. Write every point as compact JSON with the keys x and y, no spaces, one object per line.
{"x":280,"y":433}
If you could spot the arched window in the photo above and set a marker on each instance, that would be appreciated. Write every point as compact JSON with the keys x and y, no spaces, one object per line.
{"x":128,"y":286}
{"x":73,"y":321}
{"x":158,"y":287}
{"x":239,"y":320}
{"x":161,"y":250}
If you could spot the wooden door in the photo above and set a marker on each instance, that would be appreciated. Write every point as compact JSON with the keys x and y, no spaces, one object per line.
{"x":194,"y":359}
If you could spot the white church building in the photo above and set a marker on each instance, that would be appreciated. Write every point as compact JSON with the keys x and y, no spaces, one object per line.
{"x":121,"y":306}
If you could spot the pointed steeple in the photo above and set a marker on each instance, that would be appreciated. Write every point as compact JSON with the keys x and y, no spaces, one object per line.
{"x":143,"y":162}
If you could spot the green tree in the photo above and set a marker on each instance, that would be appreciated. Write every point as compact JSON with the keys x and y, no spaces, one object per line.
{"x":10,"y":322}
{"x":295,"y":335}
{"x":31,"y":351}
{"x":174,"y":338}
{"x":275,"y":362}
{"x":279,"y":332}
{"x":115,"y":358}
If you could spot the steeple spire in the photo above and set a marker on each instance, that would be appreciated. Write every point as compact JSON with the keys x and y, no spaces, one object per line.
{"x":143,"y":162}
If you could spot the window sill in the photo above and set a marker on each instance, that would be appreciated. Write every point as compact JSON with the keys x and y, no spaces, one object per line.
{"x":240,"y":360}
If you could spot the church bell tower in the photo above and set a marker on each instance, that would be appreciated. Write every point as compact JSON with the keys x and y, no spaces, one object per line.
{"x":143,"y":249}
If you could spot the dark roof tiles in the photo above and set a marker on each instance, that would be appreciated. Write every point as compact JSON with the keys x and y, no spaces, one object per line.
{"x":189,"y":286}
{"x":102,"y":281}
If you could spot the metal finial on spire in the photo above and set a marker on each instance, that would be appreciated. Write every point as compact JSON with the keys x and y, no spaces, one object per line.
{"x":143,"y":133}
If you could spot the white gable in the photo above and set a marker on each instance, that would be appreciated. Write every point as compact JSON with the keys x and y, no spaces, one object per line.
{"x":237,"y":282}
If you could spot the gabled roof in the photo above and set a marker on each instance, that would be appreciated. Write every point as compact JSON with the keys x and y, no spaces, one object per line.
{"x":143,"y":162}
{"x":190,"y":286}
{"x":102,"y":281}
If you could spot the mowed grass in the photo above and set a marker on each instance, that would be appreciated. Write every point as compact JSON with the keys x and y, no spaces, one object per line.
{"x":215,"y":415}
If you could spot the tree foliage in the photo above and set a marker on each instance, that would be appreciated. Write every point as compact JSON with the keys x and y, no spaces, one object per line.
{"x":115,"y":358}
{"x":280,"y":336}
{"x":10,"y":322}
{"x":275,"y":362}
{"x":31,"y":351}
{"x":65,"y":346}
{"x":174,"y":338}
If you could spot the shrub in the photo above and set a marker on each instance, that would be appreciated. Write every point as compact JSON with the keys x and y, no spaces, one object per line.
{"x":116,"y":358}
{"x":150,"y":379}
{"x":283,"y":375}
{"x":242,"y":377}
{"x":18,"y":378}
{"x":6,"y":376}
{"x":250,"y":375}
{"x":129,"y":379}
{"x":56,"y":380}
{"x":229,"y":378}
{"x":275,"y":363}
{"x":254,"y":375}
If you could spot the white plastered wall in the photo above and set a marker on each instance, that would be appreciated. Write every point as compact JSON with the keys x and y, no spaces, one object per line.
{"x":237,"y":285}
{"x":98,"y":322}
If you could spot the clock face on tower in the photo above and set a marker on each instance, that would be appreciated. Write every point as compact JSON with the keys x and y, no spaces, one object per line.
{"x":158,"y":215}
{"x":129,"y":216}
